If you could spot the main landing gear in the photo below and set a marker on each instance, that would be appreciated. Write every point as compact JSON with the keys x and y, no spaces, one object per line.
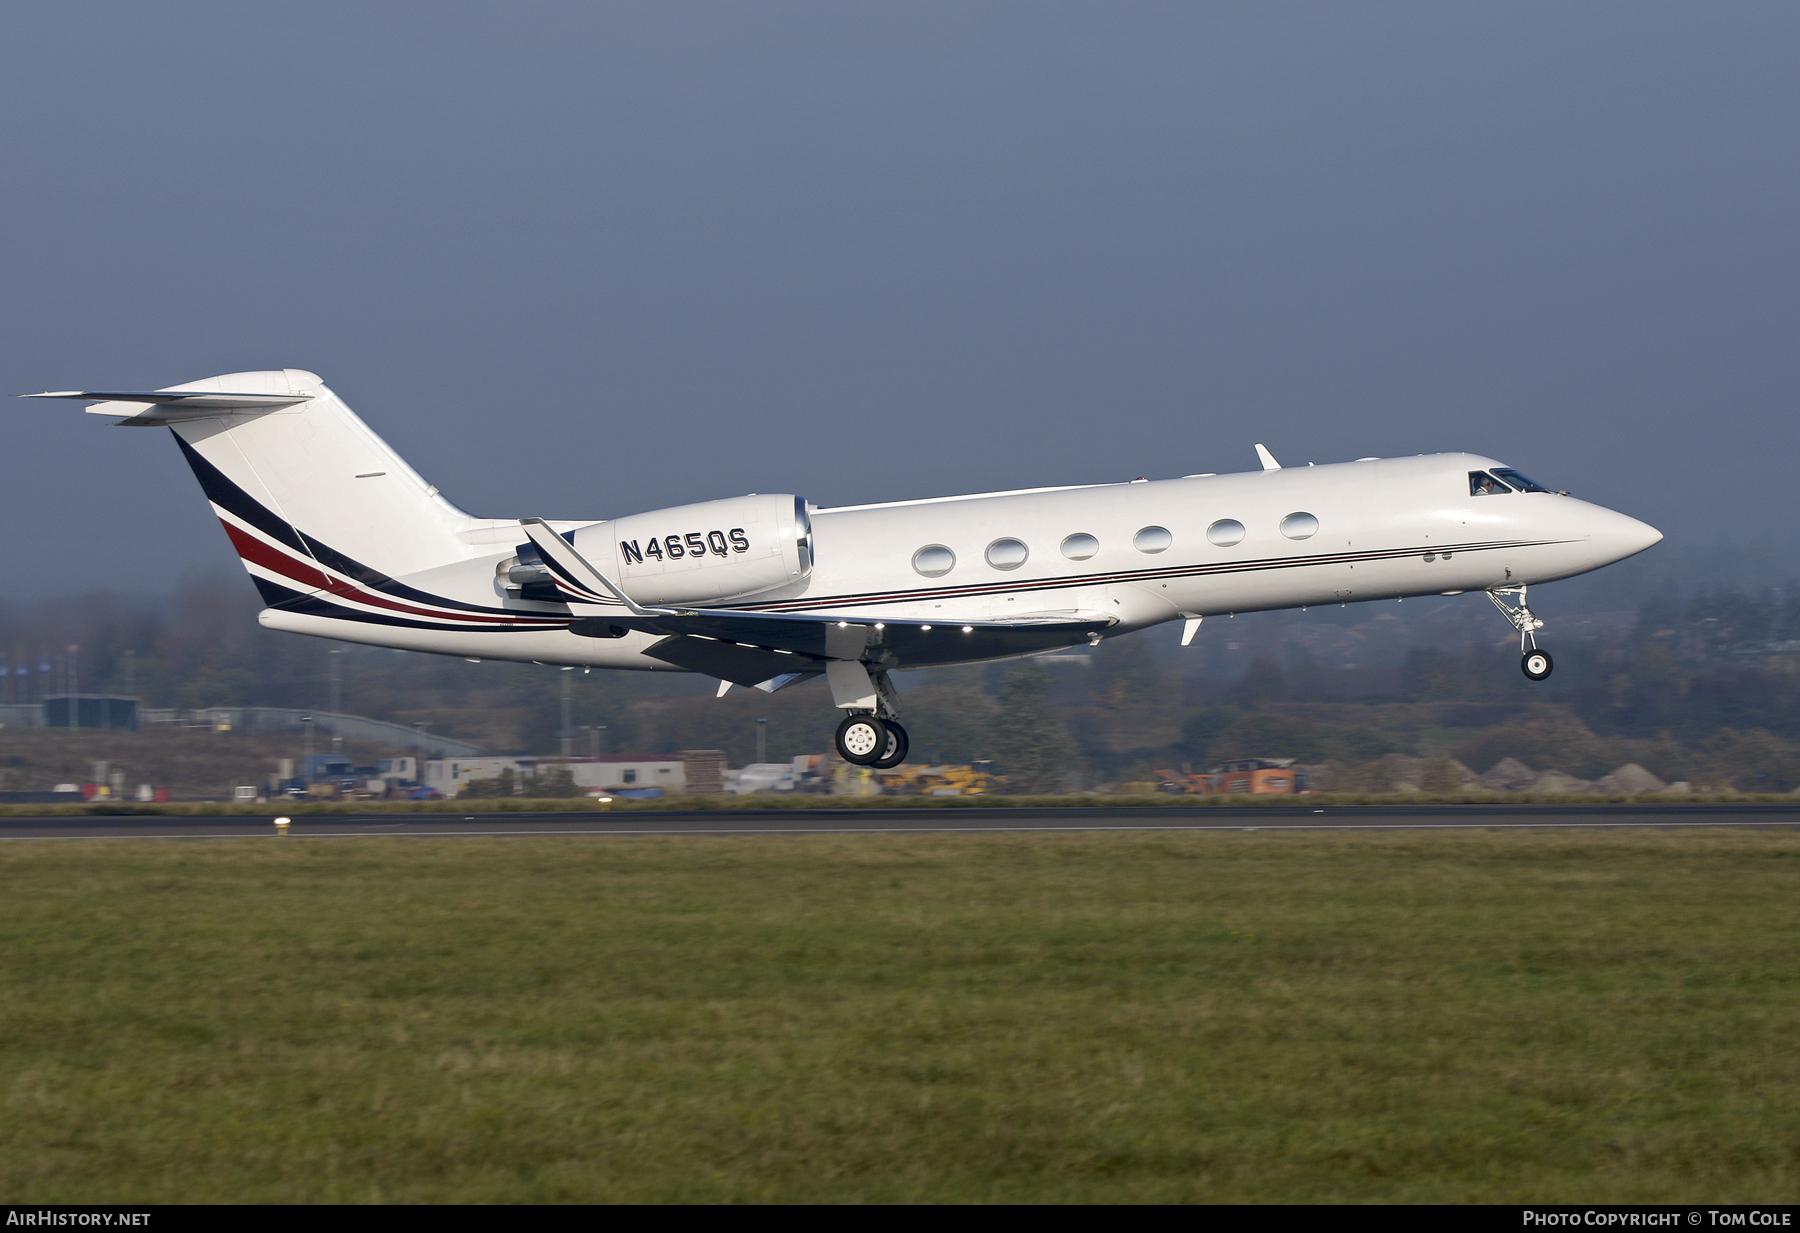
{"x":871,"y":734}
{"x":1535,"y":664}
{"x":866,"y":740}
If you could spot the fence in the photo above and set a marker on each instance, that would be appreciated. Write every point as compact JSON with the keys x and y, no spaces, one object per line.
{"x":328,"y":724}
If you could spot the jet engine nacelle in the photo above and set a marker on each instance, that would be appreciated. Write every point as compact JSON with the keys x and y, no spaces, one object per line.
{"x":711,"y":553}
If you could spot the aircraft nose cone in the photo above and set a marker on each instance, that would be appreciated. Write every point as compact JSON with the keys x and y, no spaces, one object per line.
{"x":1617,"y":536}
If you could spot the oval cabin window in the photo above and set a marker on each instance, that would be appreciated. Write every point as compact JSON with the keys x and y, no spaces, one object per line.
{"x":1152,"y":539}
{"x":934,"y":560}
{"x":1300,"y":526}
{"x":1080,"y":547}
{"x":1007,"y":554}
{"x":1225,"y":532}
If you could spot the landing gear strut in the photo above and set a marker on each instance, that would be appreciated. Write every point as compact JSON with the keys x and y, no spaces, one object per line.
{"x":1534,"y":663}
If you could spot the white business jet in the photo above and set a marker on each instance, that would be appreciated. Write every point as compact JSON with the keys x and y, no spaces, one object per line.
{"x":346,"y":541}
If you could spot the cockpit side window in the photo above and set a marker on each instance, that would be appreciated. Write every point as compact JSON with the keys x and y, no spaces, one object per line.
{"x":1521,"y":482}
{"x":1481,"y":484}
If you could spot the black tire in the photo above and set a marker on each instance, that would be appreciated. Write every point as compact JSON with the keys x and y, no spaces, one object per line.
{"x":861,"y":739}
{"x":1536,"y":665}
{"x":897,"y":745}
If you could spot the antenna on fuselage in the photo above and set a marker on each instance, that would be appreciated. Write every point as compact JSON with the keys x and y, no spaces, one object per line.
{"x":1268,"y":459}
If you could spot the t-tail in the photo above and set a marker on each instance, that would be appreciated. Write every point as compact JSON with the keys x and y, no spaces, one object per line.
{"x":326,"y":517}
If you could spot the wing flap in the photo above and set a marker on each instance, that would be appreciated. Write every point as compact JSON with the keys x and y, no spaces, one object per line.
{"x":731,"y":661}
{"x":894,"y":643}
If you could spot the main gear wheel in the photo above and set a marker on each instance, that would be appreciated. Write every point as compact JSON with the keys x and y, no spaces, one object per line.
{"x":897,"y":745}
{"x":862,"y":739}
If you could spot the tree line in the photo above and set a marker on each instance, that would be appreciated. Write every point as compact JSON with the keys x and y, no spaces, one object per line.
{"x":1701,"y":684}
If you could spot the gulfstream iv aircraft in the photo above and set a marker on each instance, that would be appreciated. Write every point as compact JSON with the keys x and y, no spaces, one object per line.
{"x":346,"y":541}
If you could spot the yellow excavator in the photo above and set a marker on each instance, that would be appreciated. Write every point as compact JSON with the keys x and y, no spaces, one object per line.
{"x":966,"y":779}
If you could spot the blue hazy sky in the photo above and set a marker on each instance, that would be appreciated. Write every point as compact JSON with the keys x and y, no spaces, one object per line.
{"x":578,"y":260}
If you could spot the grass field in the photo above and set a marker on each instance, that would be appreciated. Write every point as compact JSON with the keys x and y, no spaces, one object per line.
{"x":1488,"y":1016}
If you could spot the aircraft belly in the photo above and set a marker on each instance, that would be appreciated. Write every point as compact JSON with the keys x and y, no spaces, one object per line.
{"x":1138,"y":605}
{"x":527,"y":646}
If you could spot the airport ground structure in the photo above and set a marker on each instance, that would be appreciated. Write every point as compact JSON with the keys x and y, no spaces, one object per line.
{"x":1374,"y":699}
{"x":109,"y":712}
{"x":691,"y":772}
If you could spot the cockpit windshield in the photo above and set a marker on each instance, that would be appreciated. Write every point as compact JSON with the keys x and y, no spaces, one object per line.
{"x":1523,"y":483}
{"x":1481,"y":484}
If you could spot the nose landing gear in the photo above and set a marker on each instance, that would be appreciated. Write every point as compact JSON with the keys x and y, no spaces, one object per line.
{"x":1534,"y":663}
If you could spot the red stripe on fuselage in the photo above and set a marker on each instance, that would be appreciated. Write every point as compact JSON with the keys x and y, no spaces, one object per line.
{"x":254,"y":550}
{"x":258,"y":553}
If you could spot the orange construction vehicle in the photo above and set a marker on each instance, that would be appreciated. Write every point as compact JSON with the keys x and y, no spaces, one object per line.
{"x":1246,"y":775}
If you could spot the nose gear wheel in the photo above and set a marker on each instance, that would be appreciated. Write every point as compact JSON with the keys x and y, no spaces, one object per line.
{"x":1536,"y":664}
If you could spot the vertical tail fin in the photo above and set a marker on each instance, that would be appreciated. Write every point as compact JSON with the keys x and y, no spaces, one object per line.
{"x":298,"y":480}
{"x":329,"y":521}
{"x":311,"y":483}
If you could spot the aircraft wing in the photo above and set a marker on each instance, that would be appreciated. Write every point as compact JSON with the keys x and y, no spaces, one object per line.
{"x":908,"y":642}
{"x":751,"y":647}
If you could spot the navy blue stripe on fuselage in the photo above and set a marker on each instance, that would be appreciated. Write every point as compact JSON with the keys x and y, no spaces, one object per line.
{"x":323,"y":605}
{"x":235,"y":501}
{"x":231,"y":498}
{"x":375,"y":580}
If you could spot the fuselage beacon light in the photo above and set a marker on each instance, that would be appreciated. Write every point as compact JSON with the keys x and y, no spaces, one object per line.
{"x":346,"y":541}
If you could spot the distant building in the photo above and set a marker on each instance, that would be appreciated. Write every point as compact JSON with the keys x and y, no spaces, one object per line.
{"x":330,"y":766}
{"x":704,"y":770}
{"x":91,"y":711}
{"x":677,"y":774}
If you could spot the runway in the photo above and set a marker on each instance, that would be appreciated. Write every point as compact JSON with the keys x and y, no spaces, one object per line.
{"x":776,"y":822}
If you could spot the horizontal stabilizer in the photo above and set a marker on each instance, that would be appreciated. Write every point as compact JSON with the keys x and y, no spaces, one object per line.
{"x":170,"y":406}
